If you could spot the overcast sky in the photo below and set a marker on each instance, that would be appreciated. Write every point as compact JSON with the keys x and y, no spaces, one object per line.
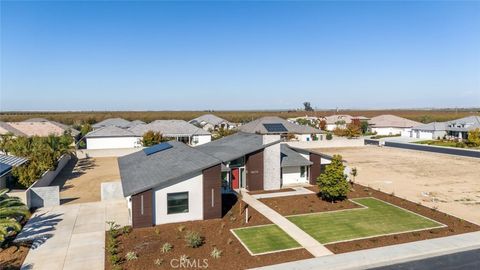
{"x":236,"y":55}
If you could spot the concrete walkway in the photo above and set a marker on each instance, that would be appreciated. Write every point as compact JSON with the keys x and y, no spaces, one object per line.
{"x":70,"y":236}
{"x":304,"y":239}
{"x":298,"y":191}
{"x":377,"y":257}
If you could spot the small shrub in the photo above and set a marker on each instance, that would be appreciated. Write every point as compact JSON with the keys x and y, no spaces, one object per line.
{"x":167,"y":247}
{"x":158,"y":262}
{"x":157,"y":231}
{"x":127,"y":229}
{"x":216,"y":253}
{"x":229,"y":241}
{"x":329,"y":136}
{"x":114,"y":259}
{"x":193,"y":239}
{"x":181,"y":228}
{"x":131,"y":255}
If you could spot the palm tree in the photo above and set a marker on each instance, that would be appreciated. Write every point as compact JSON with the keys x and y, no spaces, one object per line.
{"x":12,"y":210}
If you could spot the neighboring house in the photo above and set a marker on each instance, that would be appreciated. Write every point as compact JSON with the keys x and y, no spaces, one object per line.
{"x":341,"y":121}
{"x":173,"y":182}
{"x":7,"y":163}
{"x":178,"y":129}
{"x":118,"y":122}
{"x":282,"y":127}
{"x":114,"y":137}
{"x":36,"y":127}
{"x":430,"y":131}
{"x":210,"y":122}
{"x":459,"y":128}
{"x":388,"y":124}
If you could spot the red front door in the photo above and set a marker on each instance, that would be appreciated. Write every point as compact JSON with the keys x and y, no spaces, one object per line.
{"x":235,"y":178}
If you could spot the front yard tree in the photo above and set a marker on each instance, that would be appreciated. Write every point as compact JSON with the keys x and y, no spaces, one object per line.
{"x":151,"y":138}
{"x":474,"y":137}
{"x":333,"y":182}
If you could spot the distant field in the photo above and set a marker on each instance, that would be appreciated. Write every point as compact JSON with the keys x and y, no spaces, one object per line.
{"x":234,"y":116}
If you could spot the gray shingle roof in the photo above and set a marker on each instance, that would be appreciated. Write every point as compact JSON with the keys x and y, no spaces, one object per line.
{"x":169,"y":128}
{"x":119,"y":122}
{"x":234,"y":146}
{"x":110,"y":131}
{"x":140,"y":172}
{"x":433,"y":126}
{"x":257,"y":126}
{"x":209,"y":118}
{"x":464,"y":124}
{"x":291,"y":158}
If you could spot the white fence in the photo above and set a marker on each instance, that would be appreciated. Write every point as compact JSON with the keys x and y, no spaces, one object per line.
{"x":93,"y":153}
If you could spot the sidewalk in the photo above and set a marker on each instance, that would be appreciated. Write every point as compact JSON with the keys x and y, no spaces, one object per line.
{"x":70,"y":236}
{"x":298,"y":191}
{"x":304,"y":239}
{"x":388,"y":255}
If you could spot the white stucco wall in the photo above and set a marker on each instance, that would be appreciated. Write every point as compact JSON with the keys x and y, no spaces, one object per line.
{"x":291,"y":175}
{"x":271,"y":163}
{"x":194,"y":187}
{"x":387,"y":130}
{"x":201,"y":139}
{"x":427,"y":135}
{"x":113,"y":142}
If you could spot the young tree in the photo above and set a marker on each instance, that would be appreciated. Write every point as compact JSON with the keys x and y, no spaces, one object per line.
{"x":85,"y":129}
{"x":474,"y":137}
{"x":151,"y":138}
{"x":333,"y":183}
{"x":364,"y":127}
{"x":353,"y":173}
{"x":352,"y":130}
{"x":322,"y":124}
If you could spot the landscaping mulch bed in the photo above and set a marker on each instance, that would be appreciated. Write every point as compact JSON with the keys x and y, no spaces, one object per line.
{"x":270,"y":191}
{"x":304,"y":204}
{"x":13,"y":256}
{"x":454,"y":224}
{"x":148,"y":242}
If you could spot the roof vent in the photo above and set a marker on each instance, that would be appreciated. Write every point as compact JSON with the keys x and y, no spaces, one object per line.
{"x":157,"y":148}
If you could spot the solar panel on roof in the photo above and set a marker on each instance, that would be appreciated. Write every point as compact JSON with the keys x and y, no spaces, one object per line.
{"x":157,"y":148}
{"x":4,"y":168}
{"x":275,"y":127}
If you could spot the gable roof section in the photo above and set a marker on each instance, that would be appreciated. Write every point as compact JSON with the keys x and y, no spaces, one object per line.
{"x":234,"y":146}
{"x":110,"y":131}
{"x":433,"y":126}
{"x":41,"y":127}
{"x":291,"y":158}
{"x":388,"y":120}
{"x":140,"y":172}
{"x":257,"y":126}
{"x":210,"y":119}
{"x":169,"y":128}
{"x":118,"y":122}
{"x":464,"y":124}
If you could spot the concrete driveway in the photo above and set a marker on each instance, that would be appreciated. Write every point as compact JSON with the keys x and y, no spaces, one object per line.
{"x":71,"y":236}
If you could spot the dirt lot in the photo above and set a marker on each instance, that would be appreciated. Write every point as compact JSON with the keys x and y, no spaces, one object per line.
{"x":80,"y":180}
{"x":448,"y":182}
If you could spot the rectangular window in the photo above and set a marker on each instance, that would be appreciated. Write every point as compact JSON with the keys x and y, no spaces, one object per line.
{"x":177,"y":203}
{"x":302,"y":171}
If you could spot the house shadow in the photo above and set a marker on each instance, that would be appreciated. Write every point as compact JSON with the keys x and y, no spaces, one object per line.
{"x":38,"y":229}
{"x":228,"y":201}
{"x":74,"y":169}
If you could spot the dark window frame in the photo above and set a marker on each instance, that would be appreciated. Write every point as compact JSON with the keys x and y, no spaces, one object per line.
{"x":185,"y":206}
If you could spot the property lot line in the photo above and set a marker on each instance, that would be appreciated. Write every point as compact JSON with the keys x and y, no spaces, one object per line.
{"x":261,"y":253}
{"x":364,"y":207}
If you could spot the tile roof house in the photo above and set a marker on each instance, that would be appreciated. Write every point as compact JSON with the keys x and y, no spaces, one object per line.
{"x":115,"y":134}
{"x":388,"y":124}
{"x":341,"y":121}
{"x":277,"y":125}
{"x":37,"y":127}
{"x":173,"y":182}
{"x":211,"y":122}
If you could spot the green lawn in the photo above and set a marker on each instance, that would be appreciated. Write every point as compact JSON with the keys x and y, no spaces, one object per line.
{"x":263,"y":239}
{"x":379,"y":218}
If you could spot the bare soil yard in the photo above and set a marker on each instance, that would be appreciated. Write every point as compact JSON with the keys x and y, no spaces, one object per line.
{"x":449,"y":183}
{"x":80,"y":180}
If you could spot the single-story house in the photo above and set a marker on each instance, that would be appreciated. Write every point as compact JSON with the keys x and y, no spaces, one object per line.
{"x":282,"y":127}
{"x":36,"y":127}
{"x":173,"y":182}
{"x":115,"y":137}
{"x":341,"y":121}
{"x":210,"y":122}
{"x":430,"y":131}
{"x":458,"y":129}
{"x":7,"y":163}
{"x":388,"y":124}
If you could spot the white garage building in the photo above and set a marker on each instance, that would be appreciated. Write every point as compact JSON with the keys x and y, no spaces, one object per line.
{"x":388,"y":124}
{"x":430,"y":131}
{"x":112,"y":137}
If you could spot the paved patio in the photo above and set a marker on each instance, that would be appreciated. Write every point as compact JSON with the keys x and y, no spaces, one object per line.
{"x":70,"y":236}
